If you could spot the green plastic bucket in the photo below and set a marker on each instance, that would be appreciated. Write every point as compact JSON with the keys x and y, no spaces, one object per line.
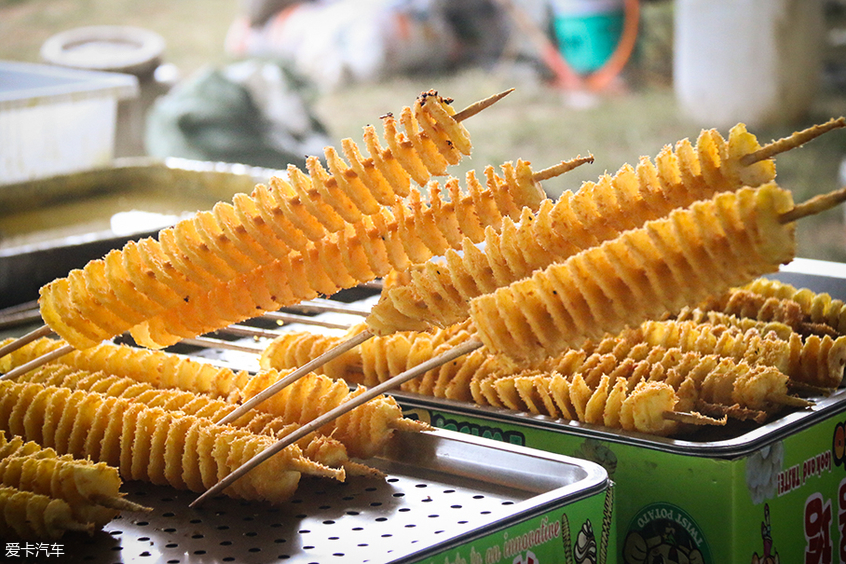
{"x":587,"y":31}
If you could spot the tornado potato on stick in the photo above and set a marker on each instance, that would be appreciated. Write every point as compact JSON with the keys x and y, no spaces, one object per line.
{"x":166,"y":448}
{"x":91,"y":489}
{"x":364,"y":431}
{"x":644,"y":273}
{"x":213,"y":247}
{"x":33,"y":516}
{"x":320,"y":448}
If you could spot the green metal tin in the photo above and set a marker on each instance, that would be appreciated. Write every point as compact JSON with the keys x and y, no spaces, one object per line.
{"x":773,"y":493}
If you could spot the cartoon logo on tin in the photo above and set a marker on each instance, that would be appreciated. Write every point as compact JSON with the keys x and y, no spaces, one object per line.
{"x":769,"y":554}
{"x":662,"y":532}
{"x":838,"y":444}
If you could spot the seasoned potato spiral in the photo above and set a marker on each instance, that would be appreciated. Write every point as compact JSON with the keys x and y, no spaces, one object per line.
{"x":643,"y":274}
{"x":409,"y":233}
{"x":112,"y":369}
{"x":439,"y":292}
{"x":34,"y":516}
{"x":127,"y":286}
{"x":91,"y":490}
{"x":151,"y":444}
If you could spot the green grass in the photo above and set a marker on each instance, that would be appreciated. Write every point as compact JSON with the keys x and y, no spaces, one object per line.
{"x":535,"y":123}
{"x":193,"y":29}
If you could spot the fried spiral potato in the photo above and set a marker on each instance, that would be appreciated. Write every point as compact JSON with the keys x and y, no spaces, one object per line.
{"x":817,"y":361}
{"x":158,"y":368}
{"x":152,"y":444}
{"x":138,"y":288}
{"x":645,"y":273}
{"x":439,"y":292}
{"x":33,"y":516}
{"x":358,"y":254}
{"x":818,"y":306}
{"x":638,"y":395}
{"x":711,"y":317}
{"x":92,"y":490}
{"x":747,"y":304}
{"x":392,"y":239}
{"x":322,"y":449}
{"x":382,"y":357}
{"x":212,"y":247}
{"x":611,"y":404}
{"x":364,"y":430}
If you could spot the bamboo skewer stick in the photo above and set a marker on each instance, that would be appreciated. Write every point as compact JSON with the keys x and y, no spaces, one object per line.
{"x":815,"y":205}
{"x":211,"y":343}
{"x":693,"y":418}
{"x":36,"y":362}
{"x":320,"y":305}
{"x":792,"y":141}
{"x":276,"y":387}
{"x":34,"y":335}
{"x":464,"y":348}
{"x":477,"y":107}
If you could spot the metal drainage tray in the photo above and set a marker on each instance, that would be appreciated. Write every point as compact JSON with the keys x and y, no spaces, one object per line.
{"x":442,"y":490}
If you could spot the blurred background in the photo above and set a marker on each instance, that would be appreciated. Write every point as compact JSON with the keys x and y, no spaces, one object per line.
{"x":266,"y":82}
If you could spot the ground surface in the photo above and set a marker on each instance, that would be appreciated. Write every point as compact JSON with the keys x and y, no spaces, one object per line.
{"x":537,"y":123}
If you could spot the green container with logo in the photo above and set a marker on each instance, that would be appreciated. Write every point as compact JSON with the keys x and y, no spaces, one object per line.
{"x":771,"y":494}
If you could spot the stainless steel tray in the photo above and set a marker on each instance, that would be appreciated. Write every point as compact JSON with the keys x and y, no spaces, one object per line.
{"x":442,"y":489}
{"x":52,"y":225}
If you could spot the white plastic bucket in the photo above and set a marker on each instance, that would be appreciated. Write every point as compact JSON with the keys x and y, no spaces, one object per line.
{"x":752,"y":61}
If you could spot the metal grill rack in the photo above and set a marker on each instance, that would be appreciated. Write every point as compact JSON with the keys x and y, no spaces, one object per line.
{"x":441,"y":490}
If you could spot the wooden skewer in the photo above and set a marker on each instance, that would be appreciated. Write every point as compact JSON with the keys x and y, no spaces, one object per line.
{"x":120,"y":503}
{"x":211,"y":343}
{"x":815,"y":205}
{"x":310,"y":366}
{"x":34,"y":335}
{"x":692,"y":418}
{"x":797,"y":139}
{"x":318,"y":305}
{"x":477,"y":107}
{"x":561,"y":168}
{"x":734,"y":411}
{"x":332,"y":414}
{"x":788,"y":400}
{"x":36,"y":362}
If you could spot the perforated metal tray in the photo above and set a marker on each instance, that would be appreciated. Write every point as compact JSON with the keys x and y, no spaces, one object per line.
{"x":442,"y":489}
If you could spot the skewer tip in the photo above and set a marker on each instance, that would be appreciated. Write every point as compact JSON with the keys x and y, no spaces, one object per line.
{"x":815,"y":205}
{"x":477,"y":107}
{"x":693,"y":418}
{"x":562,"y":167}
{"x":797,"y":139}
